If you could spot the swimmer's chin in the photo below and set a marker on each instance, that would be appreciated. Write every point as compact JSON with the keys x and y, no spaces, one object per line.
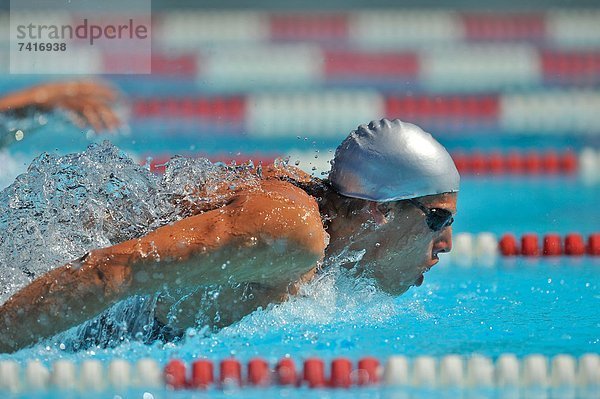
{"x":398,"y":289}
{"x":419,"y":281}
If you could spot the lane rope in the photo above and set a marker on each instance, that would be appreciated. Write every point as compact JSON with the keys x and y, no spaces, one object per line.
{"x":485,"y":248}
{"x":465,"y":372}
{"x":585,"y":163}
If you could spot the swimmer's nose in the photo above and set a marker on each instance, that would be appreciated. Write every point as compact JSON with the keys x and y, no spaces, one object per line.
{"x":444,"y":241}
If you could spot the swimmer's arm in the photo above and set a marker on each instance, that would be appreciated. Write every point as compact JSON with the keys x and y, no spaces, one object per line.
{"x":265,"y":240}
{"x":87,"y":102}
{"x":63,"y":298}
{"x":15,"y":101}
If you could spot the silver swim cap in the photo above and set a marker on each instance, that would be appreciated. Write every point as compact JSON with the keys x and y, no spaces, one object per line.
{"x":392,"y":160}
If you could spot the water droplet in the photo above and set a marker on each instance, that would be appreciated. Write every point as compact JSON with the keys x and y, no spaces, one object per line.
{"x":19,"y":135}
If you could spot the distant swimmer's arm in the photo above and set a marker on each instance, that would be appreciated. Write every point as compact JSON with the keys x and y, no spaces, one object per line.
{"x":261,"y":237}
{"x":87,"y":102}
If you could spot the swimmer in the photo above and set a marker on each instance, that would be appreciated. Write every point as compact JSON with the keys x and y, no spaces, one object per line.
{"x":86,"y":102}
{"x":390,"y":197}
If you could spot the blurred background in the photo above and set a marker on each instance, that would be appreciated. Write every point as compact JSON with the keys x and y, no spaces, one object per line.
{"x":509,"y":88}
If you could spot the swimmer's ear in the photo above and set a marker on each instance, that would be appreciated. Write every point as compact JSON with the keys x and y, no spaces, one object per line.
{"x":378,"y":215}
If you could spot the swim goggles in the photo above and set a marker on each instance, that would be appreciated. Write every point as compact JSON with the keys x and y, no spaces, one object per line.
{"x":437,"y":218}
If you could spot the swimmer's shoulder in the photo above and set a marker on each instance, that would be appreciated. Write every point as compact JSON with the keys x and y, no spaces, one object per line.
{"x":281,"y":209}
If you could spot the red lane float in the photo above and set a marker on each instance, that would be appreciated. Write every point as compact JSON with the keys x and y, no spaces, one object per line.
{"x":368,"y":371}
{"x":530,"y":162}
{"x":573,"y":245}
{"x":572,"y":66}
{"x":202,"y":374}
{"x":508,"y":245}
{"x":286,"y":372}
{"x":341,"y":372}
{"x":489,"y":26}
{"x":230,"y":372}
{"x":529,"y":245}
{"x":309,"y":27}
{"x":175,"y":374}
{"x":353,"y":64}
{"x":258,"y":372}
{"x":485,"y":108}
{"x":594,"y":244}
{"x":552,"y":245}
{"x":314,"y":373}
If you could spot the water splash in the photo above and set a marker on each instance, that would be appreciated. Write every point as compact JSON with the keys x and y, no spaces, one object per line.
{"x":332,"y":300}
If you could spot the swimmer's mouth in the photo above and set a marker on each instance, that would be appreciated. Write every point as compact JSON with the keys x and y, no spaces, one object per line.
{"x":435,"y":258}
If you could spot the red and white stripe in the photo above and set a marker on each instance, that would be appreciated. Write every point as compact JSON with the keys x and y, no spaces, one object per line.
{"x":453,"y":68}
{"x":335,"y":113}
{"x":460,"y":68}
{"x":381,"y":28}
{"x":533,"y":371}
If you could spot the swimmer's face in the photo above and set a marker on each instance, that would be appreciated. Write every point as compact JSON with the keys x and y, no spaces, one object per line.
{"x":400,"y":246}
